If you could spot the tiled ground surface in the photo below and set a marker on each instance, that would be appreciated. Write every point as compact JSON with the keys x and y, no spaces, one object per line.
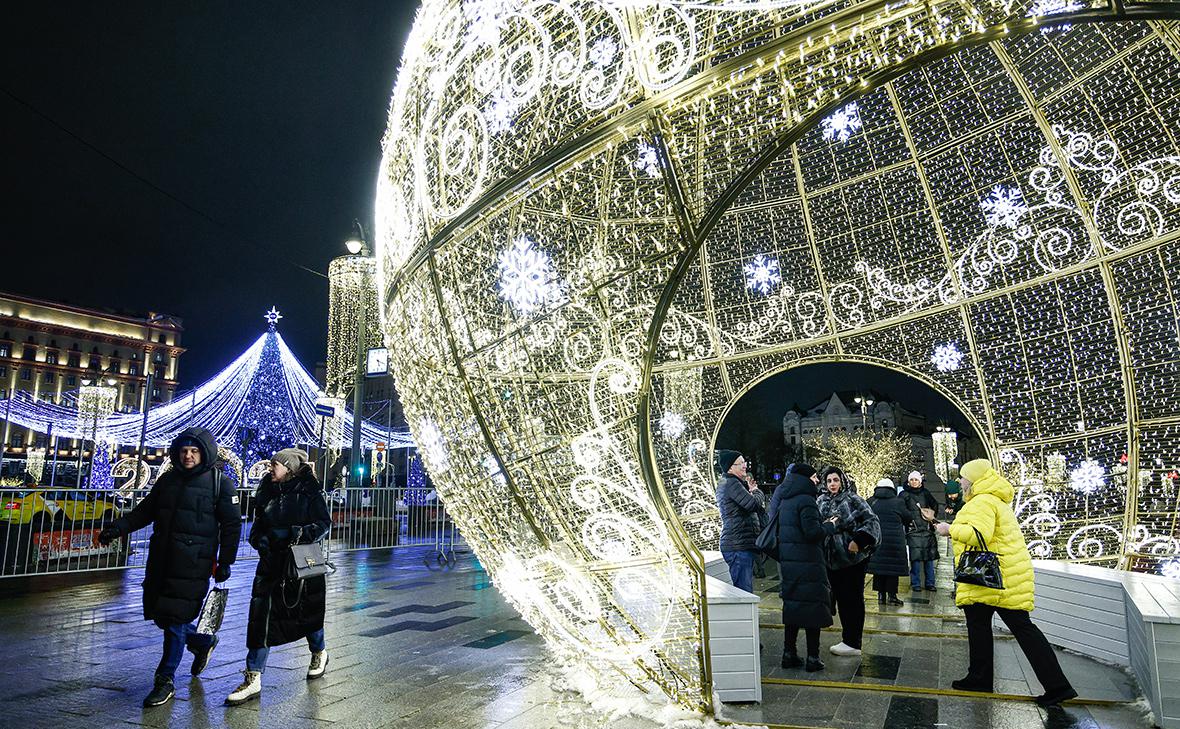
{"x":420,"y":647}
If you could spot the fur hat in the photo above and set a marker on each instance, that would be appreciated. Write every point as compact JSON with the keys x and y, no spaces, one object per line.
{"x":726,"y":459}
{"x":291,"y":458}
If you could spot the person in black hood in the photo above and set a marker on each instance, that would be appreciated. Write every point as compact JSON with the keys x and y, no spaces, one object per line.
{"x":739,"y":522}
{"x":806,"y":593}
{"x":847,"y":552}
{"x":196,"y":524}
{"x":291,"y":508}
{"x":889,"y":560}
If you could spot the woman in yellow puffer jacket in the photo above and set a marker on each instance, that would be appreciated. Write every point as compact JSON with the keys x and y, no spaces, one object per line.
{"x":988,"y":509}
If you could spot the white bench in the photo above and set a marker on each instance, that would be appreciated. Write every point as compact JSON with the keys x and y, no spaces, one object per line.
{"x":1125,"y":618}
{"x":733,"y":641}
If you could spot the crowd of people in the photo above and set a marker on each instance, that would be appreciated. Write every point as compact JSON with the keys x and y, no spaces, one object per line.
{"x":826,"y":540}
{"x":194,"y":512}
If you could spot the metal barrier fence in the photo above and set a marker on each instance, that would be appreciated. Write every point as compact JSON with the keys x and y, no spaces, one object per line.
{"x":55,"y":531}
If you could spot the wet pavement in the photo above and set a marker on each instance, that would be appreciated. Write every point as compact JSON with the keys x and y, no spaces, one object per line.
{"x":415,"y":645}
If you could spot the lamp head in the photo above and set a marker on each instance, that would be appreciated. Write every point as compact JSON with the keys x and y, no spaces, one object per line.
{"x":354,"y":245}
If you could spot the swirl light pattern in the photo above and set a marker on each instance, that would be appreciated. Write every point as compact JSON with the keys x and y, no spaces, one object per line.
{"x":651,"y":149}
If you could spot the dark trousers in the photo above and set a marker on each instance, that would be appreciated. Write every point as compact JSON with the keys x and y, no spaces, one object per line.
{"x":848,"y":594}
{"x":791,"y":639}
{"x":177,"y":637}
{"x":741,"y":569}
{"x":1028,"y":636}
{"x":886,"y":584}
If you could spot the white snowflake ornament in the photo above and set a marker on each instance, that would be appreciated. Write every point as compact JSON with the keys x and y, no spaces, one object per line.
{"x":1087,"y":478}
{"x":842,"y":123}
{"x":603,"y":51}
{"x":762,"y":274}
{"x":947,"y":357}
{"x":1004,"y":207}
{"x":648,"y":159}
{"x":672,"y":425}
{"x":528,"y":280}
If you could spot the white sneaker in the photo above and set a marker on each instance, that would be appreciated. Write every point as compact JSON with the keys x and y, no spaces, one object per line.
{"x":844,"y":650}
{"x":251,"y":688}
{"x":319,"y":664}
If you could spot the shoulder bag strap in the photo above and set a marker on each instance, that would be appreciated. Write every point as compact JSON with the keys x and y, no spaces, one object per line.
{"x":982,"y":541}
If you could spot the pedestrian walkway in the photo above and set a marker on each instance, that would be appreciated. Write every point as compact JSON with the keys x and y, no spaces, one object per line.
{"x":413,"y":645}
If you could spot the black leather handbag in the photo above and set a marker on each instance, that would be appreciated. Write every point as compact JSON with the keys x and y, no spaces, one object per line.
{"x":767,"y":541}
{"x":978,"y":566}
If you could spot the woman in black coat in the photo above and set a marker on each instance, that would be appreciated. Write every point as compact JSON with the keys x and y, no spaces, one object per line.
{"x":922,"y":540}
{"x":807,"y":596}
{"x":889,"y":561}
{"x":290,"y":508}
{"x":847,"y":553}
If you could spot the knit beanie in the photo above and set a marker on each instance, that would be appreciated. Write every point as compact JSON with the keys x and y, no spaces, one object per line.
{"x":290,"y":458}
{"x":725,"y":459}
{"x":885,"y":483}
{"x":952,"y":487}
{"x":802,"y":469}
{"x":913,"y":475}
{"x":975,"y":470}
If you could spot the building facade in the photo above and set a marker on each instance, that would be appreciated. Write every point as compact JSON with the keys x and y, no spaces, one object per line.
{"x":48,"y":349}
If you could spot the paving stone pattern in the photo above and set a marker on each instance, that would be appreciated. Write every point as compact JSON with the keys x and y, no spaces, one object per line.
{"x":417,"y":646}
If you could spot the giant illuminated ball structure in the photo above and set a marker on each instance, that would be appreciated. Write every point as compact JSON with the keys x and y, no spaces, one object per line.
{"x":601,"y":221}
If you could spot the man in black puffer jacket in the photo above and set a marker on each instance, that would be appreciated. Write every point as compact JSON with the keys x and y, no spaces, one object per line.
{"x":739,"y":530}
{"x":196,"y":524}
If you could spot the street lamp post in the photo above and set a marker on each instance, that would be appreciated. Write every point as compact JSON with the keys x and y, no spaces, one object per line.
{"x":865,"y":403}
{"x":357,"y":246}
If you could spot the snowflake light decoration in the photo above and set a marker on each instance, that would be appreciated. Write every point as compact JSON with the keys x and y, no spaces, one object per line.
{"x":762,"y":274}
{"x":1087,"y":478}
{"x":272,"y":317}
{"x":672,"y":425}
{"x":1171,"y":569}
{"x":842,"y":123}
{"x":947,"y":357}
{"x":527,"y":278}
{"x":1054,"y":7}
{"x":603,"y":51}
{"x":1004,"y":207}
{"x":500,"y":114}
{"x":648,"y":160}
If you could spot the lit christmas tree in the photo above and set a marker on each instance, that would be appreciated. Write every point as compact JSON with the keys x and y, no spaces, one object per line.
{"x":265,"y":425}
{"x":416,"y":488}
{"x":100,"y":468}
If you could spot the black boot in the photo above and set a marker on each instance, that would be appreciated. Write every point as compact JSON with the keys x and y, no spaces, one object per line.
{"x":162,"y":693}
{"x":968,"y":683}
{"x":201,"y":657}
{"x":894,"y":601}
{"x":1054,"y":698}
{"x":814,"y":664}
{"x":880,"y":598}
{"x":791,"y":659}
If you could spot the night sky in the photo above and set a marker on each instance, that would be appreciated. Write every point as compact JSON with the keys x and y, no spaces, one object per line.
{"x":190,"y":158}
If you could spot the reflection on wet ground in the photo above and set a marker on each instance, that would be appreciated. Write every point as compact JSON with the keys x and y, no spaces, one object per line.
{"x":413,"y":646}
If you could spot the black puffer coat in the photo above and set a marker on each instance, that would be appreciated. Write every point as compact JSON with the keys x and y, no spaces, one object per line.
{"x":739,"y":510}
{"x":282,"y":509}
{"x":890,"y":557}
{"x":189,"y":532}
{"x":806,"y":593}
{"x":921,"y":537}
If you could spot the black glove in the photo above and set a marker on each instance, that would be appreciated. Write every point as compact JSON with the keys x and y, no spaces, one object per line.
{"x":108,"y":535}
{"x":263,"y":546}
{"x":221,"y":574}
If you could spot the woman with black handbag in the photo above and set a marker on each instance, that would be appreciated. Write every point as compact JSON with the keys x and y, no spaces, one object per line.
{"x":290,"y":510}
{"x":987,"y":539}
{"x":847,"y":553}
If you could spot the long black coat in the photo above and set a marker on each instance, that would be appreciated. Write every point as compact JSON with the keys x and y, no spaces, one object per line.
{"x":922,"y":539}
{"x":297,"y":502}
{"x":739,"y":510}
{"x":189,"y":531}
{"x":890,"y":557}
{"x":806,"y":593}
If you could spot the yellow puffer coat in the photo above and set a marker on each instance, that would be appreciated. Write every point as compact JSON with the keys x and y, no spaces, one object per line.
{"x":989,"y":509}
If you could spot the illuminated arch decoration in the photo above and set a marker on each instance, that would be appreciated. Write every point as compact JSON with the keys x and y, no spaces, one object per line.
{"x":598,"y":220}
